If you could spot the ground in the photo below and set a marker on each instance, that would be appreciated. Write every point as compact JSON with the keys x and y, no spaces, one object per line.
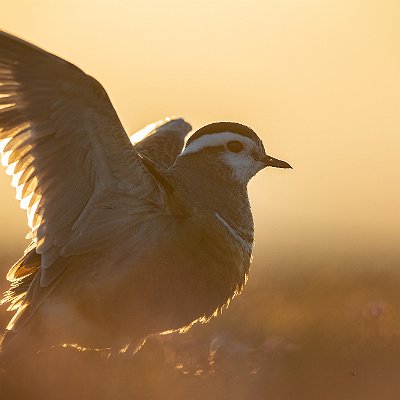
{"x":311,"y":334}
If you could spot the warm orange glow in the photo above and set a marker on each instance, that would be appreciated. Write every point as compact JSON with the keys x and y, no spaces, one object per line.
{"x":319,"y":82}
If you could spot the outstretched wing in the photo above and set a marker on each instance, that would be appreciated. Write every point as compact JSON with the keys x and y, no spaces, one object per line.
{"x":64,"y":145}
{"x":163,"y":142}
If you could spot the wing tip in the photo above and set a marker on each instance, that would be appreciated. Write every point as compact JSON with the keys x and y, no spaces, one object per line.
{"x":178,"y":124}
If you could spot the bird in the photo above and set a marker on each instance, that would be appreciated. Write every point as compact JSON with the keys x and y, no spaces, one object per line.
{"x":126,"y":239}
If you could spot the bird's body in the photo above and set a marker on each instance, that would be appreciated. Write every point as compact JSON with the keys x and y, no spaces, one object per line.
{"x":126,"y":240}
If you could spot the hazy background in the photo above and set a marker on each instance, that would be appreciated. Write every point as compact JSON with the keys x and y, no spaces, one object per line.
{"x":319,"y":81}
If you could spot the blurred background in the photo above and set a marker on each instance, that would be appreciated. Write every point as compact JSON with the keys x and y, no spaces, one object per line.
{"x":319,"y":82}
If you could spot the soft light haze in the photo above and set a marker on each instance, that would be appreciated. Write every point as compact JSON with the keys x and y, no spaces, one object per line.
{"x":319,"y":81}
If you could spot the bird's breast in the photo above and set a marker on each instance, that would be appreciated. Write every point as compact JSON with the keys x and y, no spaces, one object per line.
{"x":177,"y":272}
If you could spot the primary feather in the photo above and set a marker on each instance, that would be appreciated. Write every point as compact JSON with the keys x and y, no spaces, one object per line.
{"x":67,"y":151}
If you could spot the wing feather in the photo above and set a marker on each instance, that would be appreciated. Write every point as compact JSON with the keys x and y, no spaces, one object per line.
{"x":164,"y":141}
{"x":64,"y":145}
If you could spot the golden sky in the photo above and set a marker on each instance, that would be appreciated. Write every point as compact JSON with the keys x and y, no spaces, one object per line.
{"x":318,"y":80}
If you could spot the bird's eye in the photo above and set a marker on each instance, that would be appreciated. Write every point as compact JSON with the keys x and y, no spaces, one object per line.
{"x":234,"y":146}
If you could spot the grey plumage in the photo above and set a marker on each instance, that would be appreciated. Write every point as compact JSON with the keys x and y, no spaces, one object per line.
{"x":126,"y":240}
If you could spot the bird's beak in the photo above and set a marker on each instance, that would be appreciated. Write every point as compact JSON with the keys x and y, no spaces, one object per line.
{"x":274,"y":162}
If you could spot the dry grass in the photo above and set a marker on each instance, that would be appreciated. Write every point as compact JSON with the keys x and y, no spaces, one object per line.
{"x":323,"y":332}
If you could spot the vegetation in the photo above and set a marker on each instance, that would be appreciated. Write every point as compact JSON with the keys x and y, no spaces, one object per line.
{"x":322,"y":332}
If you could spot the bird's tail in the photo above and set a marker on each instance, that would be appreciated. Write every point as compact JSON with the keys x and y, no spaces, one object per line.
{"x":15,"y":346}
{"x":7,"y":355}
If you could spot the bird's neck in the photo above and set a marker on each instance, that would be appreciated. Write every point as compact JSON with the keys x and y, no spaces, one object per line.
{"x":213,"y":186}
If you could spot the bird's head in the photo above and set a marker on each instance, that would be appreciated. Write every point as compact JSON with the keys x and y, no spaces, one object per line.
{"x":235,"y":145}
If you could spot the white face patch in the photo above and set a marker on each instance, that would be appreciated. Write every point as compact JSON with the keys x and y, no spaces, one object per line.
{"x":217,"y":139}
{"x":243,"y":164}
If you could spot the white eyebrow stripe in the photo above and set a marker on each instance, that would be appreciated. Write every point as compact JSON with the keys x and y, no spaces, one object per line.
{"x":214,"y":140}
{"x":248,"y":246}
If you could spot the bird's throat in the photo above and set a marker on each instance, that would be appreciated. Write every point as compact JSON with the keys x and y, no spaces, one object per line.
{"x":212,"y":186}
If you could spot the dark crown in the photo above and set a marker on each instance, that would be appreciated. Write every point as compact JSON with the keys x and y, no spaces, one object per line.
{"x":218,"y":127}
